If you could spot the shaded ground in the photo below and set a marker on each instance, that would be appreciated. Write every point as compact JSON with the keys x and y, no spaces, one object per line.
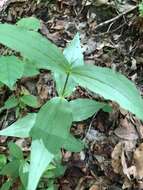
{"x":113,"y":158}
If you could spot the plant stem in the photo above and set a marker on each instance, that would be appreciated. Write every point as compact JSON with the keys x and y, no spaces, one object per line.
{"x":67,"y":77}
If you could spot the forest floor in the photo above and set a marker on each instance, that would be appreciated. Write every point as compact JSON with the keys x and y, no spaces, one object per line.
{"x":111,"y":36}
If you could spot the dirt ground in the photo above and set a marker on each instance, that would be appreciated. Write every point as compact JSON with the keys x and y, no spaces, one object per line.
{"x":111,"y":36}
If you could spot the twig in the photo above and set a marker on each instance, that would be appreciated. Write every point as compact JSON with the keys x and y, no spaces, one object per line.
{"x":80,"y":11}
{"x":115,"y":18}
{"x":90,"y":125}
{"x":110,"y":32}
{"x":110,"y":26}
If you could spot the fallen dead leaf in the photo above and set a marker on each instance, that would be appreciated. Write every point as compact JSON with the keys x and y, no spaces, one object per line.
{"x":138,"y":159}
{"x":95,"y":187}
{"x":59,"y":25}
{"x":127,"y":183}
{"x":128,"y":171}
{"x":116,"y":158}
{"x":126,"y":130}
{"x":120,"y":159}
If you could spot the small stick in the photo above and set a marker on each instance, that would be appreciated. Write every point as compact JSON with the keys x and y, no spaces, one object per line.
{"x":115,"y":18}
{"x":90,"y":125}
{"x":80,"y":11}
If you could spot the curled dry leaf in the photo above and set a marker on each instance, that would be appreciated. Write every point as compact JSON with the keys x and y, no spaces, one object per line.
{"x":127,"y":183}
{"x":138,"y":161}
{"x":116,"y":158}
{"x":126,"y":130}
{"x":129,"y":147}
{"x":95,"y":187}
{"x":124,"y":164}
{"x":120,"y":161}
{"x":119,"y":164}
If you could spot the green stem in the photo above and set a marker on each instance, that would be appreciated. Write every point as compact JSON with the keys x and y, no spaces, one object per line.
{"x":65,"y":85}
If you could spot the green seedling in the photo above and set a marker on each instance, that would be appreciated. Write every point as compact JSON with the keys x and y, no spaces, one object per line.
{"x":49,"y":129}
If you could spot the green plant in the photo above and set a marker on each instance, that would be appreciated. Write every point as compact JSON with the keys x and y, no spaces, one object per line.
{"x":50,"y":127}
{"x":20,"y":103}
{"x":14,"y":167}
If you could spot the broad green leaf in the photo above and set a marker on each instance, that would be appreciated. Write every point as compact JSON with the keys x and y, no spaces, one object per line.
{"x":74,"y":55}
{"x":11,"y":169}
{"x":53,"y":123}
{"x":11,"y":102}
{"x":58,"y":157}
{"x":84,"y":108}
{"x":51,"y":167}
{"x":34,"y":47}
{"x":11,"y":70}
{"x":73,"y":52}
{"x":107,"y":108}
{"x":73,"y":145}
{"x":21,"y":128}
{"x":111,"y":85}
{"x":59,"y":170}
{"x":30,"y":23}
{"x":30,"y":100}
{"x":23,"y":172}
{"x":15,"y":151}
{"x":39,"y":161}
{"x":30,"y":69}
{"x":3,"y":160}
{"x":6,"y":185}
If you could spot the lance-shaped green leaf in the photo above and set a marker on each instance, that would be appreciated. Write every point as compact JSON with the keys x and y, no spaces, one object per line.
{"x":11,"y":169}
{"x":34,"y":47}
{"x":21,"y":128}
{"x":11,"y":69}
{"x":30,"y":69}
{"x":72,"y":144}
{"x":73,"y":52}
{"x":30,"y":100}
{"x":111,"y":85}
{"x":23,"y":172}
{"x":39,"y":160}
{"x":84,"y":108}
{"x":6,"y":185}
{"x":53,"y":123}
{"x":11,"y":102}
{"x":15,"y":151}
{"x":30,"y":23}
{"x":74,"y":55}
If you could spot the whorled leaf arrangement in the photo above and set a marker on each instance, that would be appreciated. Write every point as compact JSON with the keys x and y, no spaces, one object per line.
{"x":50,"y":127}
